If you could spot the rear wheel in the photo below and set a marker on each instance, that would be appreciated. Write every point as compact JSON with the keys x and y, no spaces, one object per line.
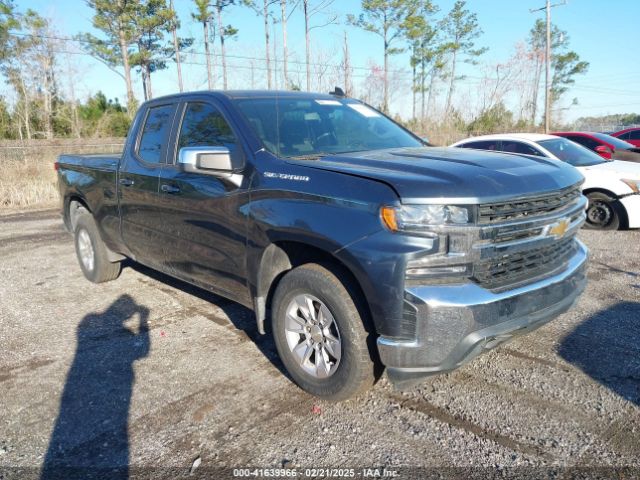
{"x":603,"y":212}
{"x":92,"y":252}
{"x":320,"y":334}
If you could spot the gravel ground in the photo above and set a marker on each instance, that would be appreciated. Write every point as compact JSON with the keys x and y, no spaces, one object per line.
{"x":153,"y":374}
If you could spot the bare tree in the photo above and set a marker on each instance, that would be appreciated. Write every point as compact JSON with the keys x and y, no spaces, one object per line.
{"x":310,"y":10}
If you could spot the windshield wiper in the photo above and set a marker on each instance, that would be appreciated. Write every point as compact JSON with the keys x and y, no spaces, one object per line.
{"x":313,"y":156}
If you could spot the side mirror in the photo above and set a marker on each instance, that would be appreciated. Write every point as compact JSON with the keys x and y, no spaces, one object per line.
{"x":604,"y":151}
{"x":215,"y":161}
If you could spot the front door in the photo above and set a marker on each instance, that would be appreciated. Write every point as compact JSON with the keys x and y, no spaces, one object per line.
{"x":203,"y":220}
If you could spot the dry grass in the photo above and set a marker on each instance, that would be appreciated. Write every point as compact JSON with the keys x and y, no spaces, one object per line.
{"x":28,"y":178}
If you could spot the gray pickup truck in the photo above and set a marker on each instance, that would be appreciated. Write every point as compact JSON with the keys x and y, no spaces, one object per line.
{"x":356,"y":245}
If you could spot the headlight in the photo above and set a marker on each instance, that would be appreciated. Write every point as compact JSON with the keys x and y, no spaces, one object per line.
{"x":632,"y":184}
{"x":418,"y":218}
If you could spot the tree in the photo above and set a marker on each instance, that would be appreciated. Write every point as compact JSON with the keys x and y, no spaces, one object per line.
{"x":175,"y":24}
{"x":117,"y":20}
{"x":426,"y":53}
{"x":462,"y":29}
{"x":203,"y":15}
{"x":310,"y":10}
{"x":385,"y":18}
{"x":8,"y":21}
{"x":565,"y":63}
{"x":153,"y":19}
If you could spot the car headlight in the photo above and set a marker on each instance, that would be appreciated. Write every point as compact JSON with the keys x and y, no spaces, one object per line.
{"x":632,"y":184}
{"x":418,"y":218}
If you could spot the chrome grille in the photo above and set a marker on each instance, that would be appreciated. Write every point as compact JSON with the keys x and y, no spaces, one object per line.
{"x":526,"y":208}
{"x":516,"y":267}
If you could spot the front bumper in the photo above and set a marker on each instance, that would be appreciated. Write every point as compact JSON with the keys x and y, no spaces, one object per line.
{"x":456,"y":323}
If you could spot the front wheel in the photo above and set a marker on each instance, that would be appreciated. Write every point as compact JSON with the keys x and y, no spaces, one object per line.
{"x":603,"y":212}
{"x":320,"y":334}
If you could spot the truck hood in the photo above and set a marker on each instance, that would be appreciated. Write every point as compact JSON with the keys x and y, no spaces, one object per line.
{"x":445,"y":175}
{"x":615,"y":168}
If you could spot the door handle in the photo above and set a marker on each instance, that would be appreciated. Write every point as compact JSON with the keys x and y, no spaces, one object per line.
{"x":126,"y":182}
{"x":169,"y":188}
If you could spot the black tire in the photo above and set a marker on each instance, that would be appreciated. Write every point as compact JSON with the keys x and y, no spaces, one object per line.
{"x":603,"y":212}
{"x":102,"y":270}
{"x":356,"y":370}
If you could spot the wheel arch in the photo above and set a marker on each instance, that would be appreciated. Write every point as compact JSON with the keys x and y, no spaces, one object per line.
{"x":281,"y":257}
{"x":624,"y":216}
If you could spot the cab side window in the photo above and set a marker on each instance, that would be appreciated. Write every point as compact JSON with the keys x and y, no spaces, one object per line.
{"x":519,"y":147}
{"x":155,"y":133}
{"x":482,"y":145}
{"x":204,"y":126}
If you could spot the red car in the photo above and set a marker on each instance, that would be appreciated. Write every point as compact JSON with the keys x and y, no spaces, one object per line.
{"x":631,"y":135}
{"x":604,"y":145}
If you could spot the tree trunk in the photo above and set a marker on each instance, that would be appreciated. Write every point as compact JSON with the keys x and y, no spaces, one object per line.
{"x":265,"y":13}
{"x":149,"y":90}
{"x":423,"y":83}
{"x":205,"y":27}
{"x":285,"y":53}
{"x":385,"y":102}
{"x":413,"y":84}
{"x":176,"y":47}
{"x":432,"y":80}
{"x":27,"y":109}
{"x":222,"y":51}
{"x":275,"y":55}
{"x":305,"y":5}
{"x":347,"y":67}
{"x":451,"y":84}
{"x":124,"y":50}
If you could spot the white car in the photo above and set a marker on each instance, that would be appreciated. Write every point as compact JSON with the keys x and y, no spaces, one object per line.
{"x":612,"y":186}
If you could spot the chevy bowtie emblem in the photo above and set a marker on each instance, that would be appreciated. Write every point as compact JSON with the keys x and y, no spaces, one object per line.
{"x":560,"y":228}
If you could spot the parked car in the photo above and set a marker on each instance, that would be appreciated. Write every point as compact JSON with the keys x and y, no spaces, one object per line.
{"x":350,"y":239}
{"x":612,"y":187}
{"x":606,"y":146}
{"x":629,"y":135}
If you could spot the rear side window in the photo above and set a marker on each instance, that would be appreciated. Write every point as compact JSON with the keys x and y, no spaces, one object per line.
{"x":482,"y":145}
{"x":519,"y":147}
{"x":624,"y":136}
{"x":634,"y":135}
{"x":204,"y":126}
{"x":155,"y":133}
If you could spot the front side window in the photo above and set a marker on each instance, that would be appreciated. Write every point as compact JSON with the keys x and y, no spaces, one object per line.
{"x":309,"y":127}
{"x":204,"y":126}
{"x":155,"y":133}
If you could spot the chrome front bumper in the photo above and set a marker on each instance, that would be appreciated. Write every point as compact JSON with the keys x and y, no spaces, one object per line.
{"x":456,"y":323}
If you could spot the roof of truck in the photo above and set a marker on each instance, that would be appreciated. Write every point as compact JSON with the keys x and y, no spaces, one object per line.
{"x":234,"y":94}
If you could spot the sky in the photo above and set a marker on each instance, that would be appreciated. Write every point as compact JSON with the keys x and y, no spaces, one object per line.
{"x":601,"y":32}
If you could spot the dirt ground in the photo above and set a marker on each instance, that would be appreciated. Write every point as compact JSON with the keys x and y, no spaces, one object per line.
{"x":146,"y":376}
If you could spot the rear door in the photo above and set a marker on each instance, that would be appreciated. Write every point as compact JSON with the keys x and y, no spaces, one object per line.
{"x":203,"y":221}
{"x":138,"y":184}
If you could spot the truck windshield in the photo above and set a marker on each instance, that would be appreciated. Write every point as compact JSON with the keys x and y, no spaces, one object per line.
{"x":571,"y":152}
{"x":311,"y":128}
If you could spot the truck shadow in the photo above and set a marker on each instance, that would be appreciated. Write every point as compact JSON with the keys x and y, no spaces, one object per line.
{"x":242,"y":318}
{"x":90,"y":435}
{"x":606,"y":346}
